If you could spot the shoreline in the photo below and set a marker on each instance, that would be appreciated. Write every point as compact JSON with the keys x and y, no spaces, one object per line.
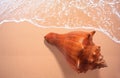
{"x":63,"y":27}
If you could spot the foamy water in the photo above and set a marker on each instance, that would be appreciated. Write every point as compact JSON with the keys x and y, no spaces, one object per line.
{"x":101,"y":15}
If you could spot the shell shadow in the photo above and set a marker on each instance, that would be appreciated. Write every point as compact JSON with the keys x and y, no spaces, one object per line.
{"x":67,"y":71}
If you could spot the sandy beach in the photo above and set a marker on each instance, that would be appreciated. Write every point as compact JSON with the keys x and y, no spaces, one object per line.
{"x":25,"y":54}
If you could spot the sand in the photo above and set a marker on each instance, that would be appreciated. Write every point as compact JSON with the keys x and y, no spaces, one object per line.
{"x":25,"y":54}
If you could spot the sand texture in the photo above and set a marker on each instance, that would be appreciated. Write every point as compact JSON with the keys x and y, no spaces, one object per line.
{"x":25,"y":54}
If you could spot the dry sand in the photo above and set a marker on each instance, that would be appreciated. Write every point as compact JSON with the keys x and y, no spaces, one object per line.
{"x":25,"y":54}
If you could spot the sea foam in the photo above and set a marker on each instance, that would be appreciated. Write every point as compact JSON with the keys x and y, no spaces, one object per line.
{"x":100,"y":15}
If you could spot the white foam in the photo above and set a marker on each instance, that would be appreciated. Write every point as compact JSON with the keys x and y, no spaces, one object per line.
{"x":104,"y":15}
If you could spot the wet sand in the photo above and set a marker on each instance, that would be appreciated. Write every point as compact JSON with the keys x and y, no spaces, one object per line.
{"x":25,"y":54}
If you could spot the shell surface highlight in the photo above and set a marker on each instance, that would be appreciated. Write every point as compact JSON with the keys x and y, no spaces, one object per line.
{"x":79,"y":49}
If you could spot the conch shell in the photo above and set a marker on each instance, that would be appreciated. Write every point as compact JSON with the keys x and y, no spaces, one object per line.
{"x":79,"y":49}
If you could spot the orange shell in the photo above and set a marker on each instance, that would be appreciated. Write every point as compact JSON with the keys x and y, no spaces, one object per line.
{"x":78,"y":49}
